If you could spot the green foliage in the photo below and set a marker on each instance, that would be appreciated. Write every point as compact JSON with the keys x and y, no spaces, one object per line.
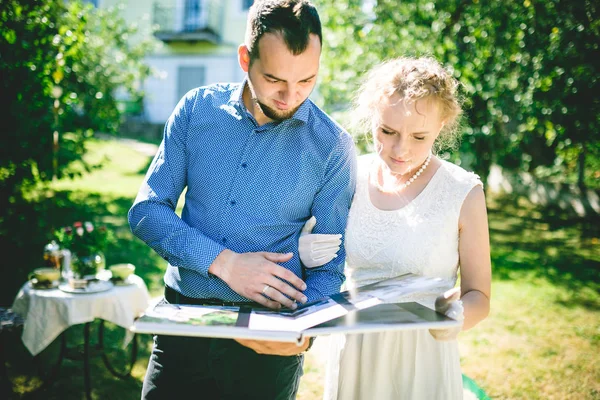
{"x":63,"y":64}
{"x":83,"y":238}
{"x":527,"y":68}
{"x":543,"y":260}
{"x":103,"y":196}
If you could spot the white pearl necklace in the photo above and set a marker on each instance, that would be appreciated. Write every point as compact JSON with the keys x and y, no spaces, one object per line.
{"x":412,"y":178}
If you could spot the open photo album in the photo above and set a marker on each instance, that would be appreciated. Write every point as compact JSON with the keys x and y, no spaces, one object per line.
{"x":365,"y":309}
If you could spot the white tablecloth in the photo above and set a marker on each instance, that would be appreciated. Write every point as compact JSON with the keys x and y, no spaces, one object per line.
{"x":48,"y":312}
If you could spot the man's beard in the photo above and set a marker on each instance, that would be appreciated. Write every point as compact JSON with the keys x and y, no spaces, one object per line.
{"x":271,"y":113}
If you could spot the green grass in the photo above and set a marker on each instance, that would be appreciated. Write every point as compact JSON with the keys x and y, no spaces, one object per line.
{"x":120,"y":176}
{"x":534,"y":345}
{"x":541,"y":340}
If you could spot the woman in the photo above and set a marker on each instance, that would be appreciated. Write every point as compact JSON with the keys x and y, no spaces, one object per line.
{"x":412,"y":212}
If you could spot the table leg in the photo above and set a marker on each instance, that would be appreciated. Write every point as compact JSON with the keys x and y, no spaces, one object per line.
{"x":49,"y":377}
{"x":134,"y":349}
{"x":86,"y":361}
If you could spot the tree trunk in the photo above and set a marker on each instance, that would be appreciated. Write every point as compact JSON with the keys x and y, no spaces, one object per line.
{"x":581,"y":169}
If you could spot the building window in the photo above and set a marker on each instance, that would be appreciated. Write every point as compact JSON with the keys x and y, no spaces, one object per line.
{"x":193,"y":16}
{"x":190,"y":78}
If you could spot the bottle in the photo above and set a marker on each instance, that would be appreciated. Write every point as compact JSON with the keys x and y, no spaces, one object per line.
{"x":66,"y":264}
{"x":52,"y":255}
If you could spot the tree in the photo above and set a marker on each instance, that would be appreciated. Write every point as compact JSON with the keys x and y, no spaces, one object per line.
{"x":62,"y":64}
{"x":527,"y":71}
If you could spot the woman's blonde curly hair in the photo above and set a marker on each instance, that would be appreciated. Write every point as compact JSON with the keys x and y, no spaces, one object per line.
{"x":412,"y":79}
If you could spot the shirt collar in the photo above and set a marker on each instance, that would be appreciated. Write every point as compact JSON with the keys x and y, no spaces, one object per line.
{"x":236,"y":95}
{"x":301,"y":113}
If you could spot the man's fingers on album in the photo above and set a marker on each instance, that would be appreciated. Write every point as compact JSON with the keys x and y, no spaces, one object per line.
{"x":286,"y":289}
{"x":281,"y":299}
{"x":262,"y":300}
{"x":271,"y":293}
{"x":287,"y":275}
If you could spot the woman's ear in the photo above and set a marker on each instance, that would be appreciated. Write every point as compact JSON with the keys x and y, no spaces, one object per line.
{"x":244,"y":57}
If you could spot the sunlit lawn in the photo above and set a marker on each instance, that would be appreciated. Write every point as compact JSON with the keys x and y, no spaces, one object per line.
{"x":541,"y":340}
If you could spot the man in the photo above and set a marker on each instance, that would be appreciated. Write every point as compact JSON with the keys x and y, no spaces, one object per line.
{"x":258,"y":159}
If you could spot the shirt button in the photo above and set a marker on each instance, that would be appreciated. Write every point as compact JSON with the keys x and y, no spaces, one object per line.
{"x":244,"y":165}
{"x":232,"y":202}
{"x":224,"y":240}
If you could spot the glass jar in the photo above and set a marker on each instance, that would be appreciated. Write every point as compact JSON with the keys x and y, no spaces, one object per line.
{"x":52,"y":255}
{"x":87,"y":265}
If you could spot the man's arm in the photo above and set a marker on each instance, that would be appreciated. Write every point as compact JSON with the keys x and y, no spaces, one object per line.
{"x":152,"y":217}
{"x":330,"y":207}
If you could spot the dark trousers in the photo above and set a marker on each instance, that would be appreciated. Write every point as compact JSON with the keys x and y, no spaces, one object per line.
{"x":207,"y":368}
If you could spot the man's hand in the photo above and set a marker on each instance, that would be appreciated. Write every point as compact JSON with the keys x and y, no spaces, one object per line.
{"x":274,"y":348}
{"x":258,"y":277}
{"x":450,"y":305}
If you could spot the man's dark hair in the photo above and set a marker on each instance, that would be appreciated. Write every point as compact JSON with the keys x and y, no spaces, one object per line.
{"x":295,"y":20}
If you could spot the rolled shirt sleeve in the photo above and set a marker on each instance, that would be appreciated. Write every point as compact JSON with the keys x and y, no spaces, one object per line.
{"x":152,"y":217}
{"x":248,"y":188}
{"x":331,"y":207}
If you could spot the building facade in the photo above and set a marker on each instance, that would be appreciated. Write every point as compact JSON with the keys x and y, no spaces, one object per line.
{"x":197,"y":42}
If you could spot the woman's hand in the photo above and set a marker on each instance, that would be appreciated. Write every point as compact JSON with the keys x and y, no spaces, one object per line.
{"x":450,"y":305}
{"x":317,"y":249}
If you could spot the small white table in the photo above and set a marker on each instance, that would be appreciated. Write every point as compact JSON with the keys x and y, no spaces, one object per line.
{"x":49,"y":312}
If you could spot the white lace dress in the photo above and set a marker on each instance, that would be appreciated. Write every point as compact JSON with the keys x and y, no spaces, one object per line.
{"x":422,"y":238}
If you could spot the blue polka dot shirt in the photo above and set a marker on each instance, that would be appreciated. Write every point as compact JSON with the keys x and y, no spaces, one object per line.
{"x":250,"y":188}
